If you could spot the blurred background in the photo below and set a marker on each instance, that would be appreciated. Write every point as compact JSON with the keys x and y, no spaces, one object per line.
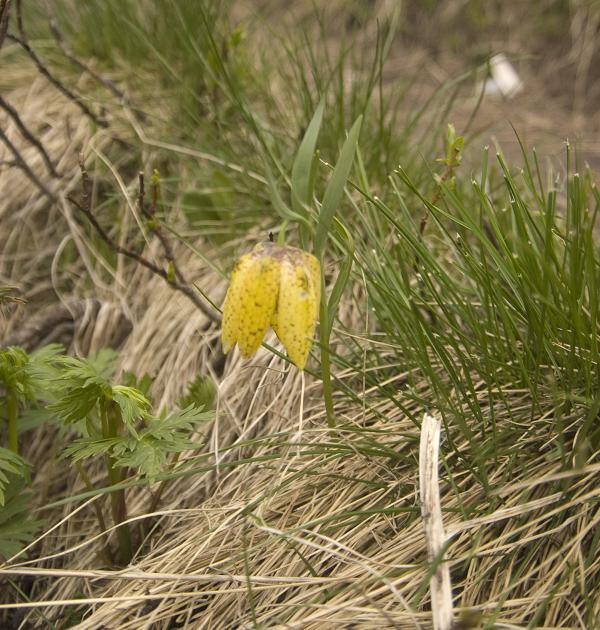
{"x":552,"y":46}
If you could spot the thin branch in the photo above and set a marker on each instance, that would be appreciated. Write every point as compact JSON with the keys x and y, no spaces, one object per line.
{"x":150,"y":215}
{"x":107,"y":83}
{"x":22,"y":164}
{"x":4,"y":15}
{"x":28,"y":135}
{"x":23,"y":42}
{"x":68,"y":53}
{"x":444,"y":177}
{"x":175,"y":282}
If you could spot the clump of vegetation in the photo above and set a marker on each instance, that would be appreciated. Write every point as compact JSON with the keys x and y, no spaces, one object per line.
{"x":101,"y":420}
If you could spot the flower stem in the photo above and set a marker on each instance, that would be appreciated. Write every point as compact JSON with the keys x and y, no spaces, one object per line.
{"x":111,"y":426}
{"x":12,"y":407}
{"x":324,"y":329}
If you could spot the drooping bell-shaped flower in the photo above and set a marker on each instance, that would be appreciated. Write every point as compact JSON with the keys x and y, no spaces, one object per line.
{"x":278,"y":286}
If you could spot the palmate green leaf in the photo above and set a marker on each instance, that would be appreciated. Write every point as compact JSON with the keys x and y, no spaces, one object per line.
{"x":97,"y":369}
{"x":141,"y":383}
{"x":335,"y":188}
{"x":183,"y":420}
{"x":30,"y":376}
{"x":43,"y":367}
{"x":75,"y":404}
{"x":132,"y":403}
{"x":33,"y":418}
{"x":145,"y":450}
{"x":201,"y":393}
{"x":83,"y":382}
{"x":13,"y":361}
{"x":11,"y":466}
{"x":147,"y":453}
{"x":148,"y":457}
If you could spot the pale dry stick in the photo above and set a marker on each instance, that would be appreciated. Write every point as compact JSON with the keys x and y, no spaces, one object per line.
{"x":24,"y":43}
{"x":4,"y":14}
{"x":83,"y":206}
{"x":135,"y":574}
{"x":49,"y":531}
{"x":22,"y":164}
{"x":431,"y":511}
{"x":28,"y":135}
{"x":84,"y":67}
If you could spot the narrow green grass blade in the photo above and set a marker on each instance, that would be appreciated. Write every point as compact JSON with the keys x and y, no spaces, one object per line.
{"x":342,"y":279}
{"x":335,"y":188}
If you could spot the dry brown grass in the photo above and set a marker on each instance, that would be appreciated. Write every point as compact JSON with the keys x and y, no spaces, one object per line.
{"x":231,"y":547}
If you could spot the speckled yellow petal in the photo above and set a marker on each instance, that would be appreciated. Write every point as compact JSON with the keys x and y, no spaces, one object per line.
{"x":250,"y":302}
{"x":298,"y":304}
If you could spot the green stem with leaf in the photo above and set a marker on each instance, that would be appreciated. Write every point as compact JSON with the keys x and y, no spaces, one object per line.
{"x":331,"y":201}
{"x":324,"y":335}
{"x":111,"y":428}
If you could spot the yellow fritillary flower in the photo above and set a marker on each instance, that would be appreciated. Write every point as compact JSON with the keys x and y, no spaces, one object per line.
{"x":278,"y":286}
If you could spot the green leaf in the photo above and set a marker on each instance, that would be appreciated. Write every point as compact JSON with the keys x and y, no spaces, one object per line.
{"x":302,"y":191}
{"x":76,"y":403}
{"x":84,"y":448}
{"x":17,"y":528}
{"x":142,"y":384}
{"x":279,"y":204}
{"x":12,"y":367}
{"x":201,"y":393}
{"x":147,"y":452}
{"x":148,"y":457}
{"x":132,"y":403}
{"x":335,"y":189}
{"x":83,"y":382}
{"x":180,"y":420}
{"x":339,"y":286}
{"x":11,"y":466}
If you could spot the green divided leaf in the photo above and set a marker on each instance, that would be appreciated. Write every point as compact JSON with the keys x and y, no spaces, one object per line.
{"x":132,"y":403}
{"x":17,"y":528}
{"x":11,"y":465}
{"x":201,"y":393}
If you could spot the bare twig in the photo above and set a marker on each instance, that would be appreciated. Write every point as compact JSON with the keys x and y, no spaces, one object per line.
{"x":444,"y":177}
{"x":57,"y":84}
{"x":150,"y":215}
{"x":84,"y":67}
{"x":23,"y":42}
{"x":4,"y":14}
{"x":84,"y":206}
{"x":22,"y":164}
{"x":431,"y":512}
{"x":28,"y":135}
{"x":68,"y":53}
